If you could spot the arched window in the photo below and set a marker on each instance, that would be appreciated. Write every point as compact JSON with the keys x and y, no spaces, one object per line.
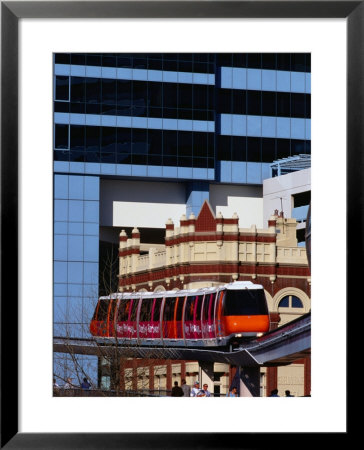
{"x":290,"y":301}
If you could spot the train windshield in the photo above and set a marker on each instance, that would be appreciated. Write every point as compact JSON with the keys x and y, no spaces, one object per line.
{"x":102,"y":310}
{"x":245,"y":302}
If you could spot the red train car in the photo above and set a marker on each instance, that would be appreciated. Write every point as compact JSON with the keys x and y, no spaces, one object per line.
{"x":207,"y":317}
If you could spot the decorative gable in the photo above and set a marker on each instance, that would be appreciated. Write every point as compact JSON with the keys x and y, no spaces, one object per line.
{"x":206,"y":220}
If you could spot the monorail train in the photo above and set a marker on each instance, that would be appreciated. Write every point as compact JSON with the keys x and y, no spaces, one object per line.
{"x":207,"y":317}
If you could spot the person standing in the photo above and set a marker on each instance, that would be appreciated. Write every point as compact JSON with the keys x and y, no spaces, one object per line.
{"x":195,"y":391}
{"x":85,"y":385}
{"x":68,"y":384}
{"x":177,"y":390}
{"x":232,"y":393}
{"x":55,"y":387}
{"x":186,"y":389}
{"x":206,"y":392}
{"x":274,"y":393}
{"x":288,"y":393}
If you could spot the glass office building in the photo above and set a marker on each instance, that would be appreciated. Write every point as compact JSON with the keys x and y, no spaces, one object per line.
{"x":196,"y":119}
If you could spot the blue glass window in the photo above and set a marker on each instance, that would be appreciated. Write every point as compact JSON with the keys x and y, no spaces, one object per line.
{"x":268,"y":150}
{"x":62,"y":88}
{"x":75,"y":211}
{"x":283,"y":148}
{"x":253,"y":149}
{"x":185,"y":144}
{"x":108,"y":90}
{"x":200,"y":145}
{"x":283,"y":61}
{"x":269,"y":103}
{"x":139,"y":141}
{"x":61,"y":137}
{"x":60,"y":272}
{"x":92,"y":139}
{"x":78,"y":89}
{"x":108,"y":139}
{"x":76,"y":187}
{"x":91,"y":211}
{"x":62,"y":58}
{"x":75,"y":248}
{"x":283,"y":104}
{"x":269,"y":61}
{"x":239,"y":149}
{"x":254,"y":105}
{"x":254,"y":60}
{"x":124,"y":93}
{"x":77,"y":138}
{"x":60,"y":247}
{"x":170,"y":143}
{"x":224,"y":148}
{"x":75,"y":272}
{"x":93,"y":90}
{"x":60,"y":210}
{"x":61,"y":186}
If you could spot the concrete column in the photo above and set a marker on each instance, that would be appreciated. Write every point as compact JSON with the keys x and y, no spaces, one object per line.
{"x":206,"y":374}
{"x":183,"y":246}
{"x":122,"y":247}
{"x":169,"y":235}
{"x":307,"y":376}
{"x":249,"y":382}
{"x":272,"y":379}
{"x":169,"y":375}
{"x":135,"y":249}
{"x":272,"y":246}
{"x":151,"y":377}
{"x":234,"y":256}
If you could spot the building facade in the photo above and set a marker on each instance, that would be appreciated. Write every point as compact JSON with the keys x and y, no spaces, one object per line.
{"x":141,"y":137}
{"x":290,"y":192}
{"x":209,"y":251}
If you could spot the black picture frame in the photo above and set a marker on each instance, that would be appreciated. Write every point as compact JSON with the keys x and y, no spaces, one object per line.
{"x":11,"y":13}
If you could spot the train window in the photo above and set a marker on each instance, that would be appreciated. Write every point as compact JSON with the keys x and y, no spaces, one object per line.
{"x":112,"y":310}
{"x":94,"y":317}
{"x":103,"y":309}
{"x":134,"y":310}
{"x":168,"y":313}
{"x":179,"y":309}
{"x":247,"y":301}
{"x":190,"y":307}
{"x":123,"y":313}
{"x":208,"y":307}
{"x":157,"y":309}
{"x":198,"y":307}
{"x":146,"y":310}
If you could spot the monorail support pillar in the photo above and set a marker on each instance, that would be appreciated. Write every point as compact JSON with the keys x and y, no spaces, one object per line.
{"x":206,"y":374}
{"x":249,"y":382}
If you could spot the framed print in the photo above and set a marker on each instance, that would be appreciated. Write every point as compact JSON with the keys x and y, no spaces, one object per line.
{"x":64,"y":113}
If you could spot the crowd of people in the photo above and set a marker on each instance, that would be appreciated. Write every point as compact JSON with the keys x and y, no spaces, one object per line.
{"x":85,"y":385}
{"x":187,"y":391}
{"x":274,"y":393}
{"x":196,"y":391}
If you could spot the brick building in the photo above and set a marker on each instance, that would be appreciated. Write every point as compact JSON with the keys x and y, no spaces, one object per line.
{"x":210,"y":250}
